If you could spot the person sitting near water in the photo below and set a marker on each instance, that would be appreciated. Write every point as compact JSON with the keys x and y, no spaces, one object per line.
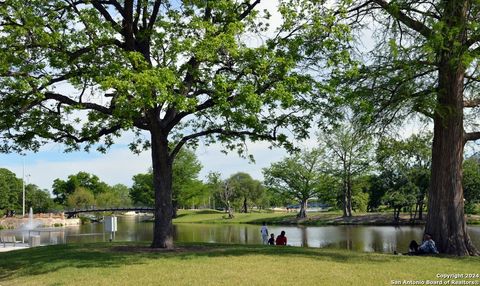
{"x":271,"y":241}
{"x":427,"y":246}
{"x":281,"y":239}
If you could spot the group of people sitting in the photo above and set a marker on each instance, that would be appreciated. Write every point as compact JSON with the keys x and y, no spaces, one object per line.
{"x":281,"y":239}
{"x":427,"y":246}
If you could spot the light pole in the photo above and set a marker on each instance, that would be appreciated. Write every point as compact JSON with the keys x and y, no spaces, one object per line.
{"x":23,"y":188}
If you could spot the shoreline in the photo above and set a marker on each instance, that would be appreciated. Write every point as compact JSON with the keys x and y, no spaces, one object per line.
{"x":313,"y":219}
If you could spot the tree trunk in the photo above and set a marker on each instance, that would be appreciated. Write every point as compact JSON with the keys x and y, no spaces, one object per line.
{"x":344,"y":199}
{"x":245,"y":207}
{"x":420,"y":210}
{"x":446,"y":220}
{"x":229,"y":210}
{"x":303,"y":209}
{"x":349,"y":195}
{"x":162,"y":182}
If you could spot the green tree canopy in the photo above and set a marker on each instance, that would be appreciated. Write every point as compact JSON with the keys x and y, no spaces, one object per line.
{"x":10,"y":190}
{"x":63,"y":189}
{"x":82,"y":72}
{"x":298,"y":177}
{"x":81,"y":198}
{"x":246,"y":190}
{"x":405,"y":167}
{"x":37,"y":199}
{"x":471,"y":183}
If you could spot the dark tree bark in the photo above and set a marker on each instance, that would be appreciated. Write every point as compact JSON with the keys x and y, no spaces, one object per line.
{"x":245,"y":206}
{"x":349,"y":195}
{"x":162,"y":182}
{"x":446,"y":220}
{"x":303,"y":209}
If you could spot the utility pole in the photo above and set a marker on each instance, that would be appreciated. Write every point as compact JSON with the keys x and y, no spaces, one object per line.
{"x":23,"y":189}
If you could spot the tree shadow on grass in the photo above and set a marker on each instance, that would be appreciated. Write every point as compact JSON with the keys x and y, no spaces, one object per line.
{"x":42,"y":260}
{"x":46,"y":259}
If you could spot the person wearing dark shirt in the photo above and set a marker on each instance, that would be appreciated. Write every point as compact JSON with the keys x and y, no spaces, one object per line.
{"x":281,"y":239}
{"x":427,"y":246}
{"x":271,"y":241}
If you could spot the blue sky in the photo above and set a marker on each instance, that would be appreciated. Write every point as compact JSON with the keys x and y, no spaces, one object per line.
{"x":119,"y":165}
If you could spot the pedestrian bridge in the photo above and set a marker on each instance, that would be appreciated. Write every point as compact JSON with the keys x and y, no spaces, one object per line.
{"x":75,"y":212}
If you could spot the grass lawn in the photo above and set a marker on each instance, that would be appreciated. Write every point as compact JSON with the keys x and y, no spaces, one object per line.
{"x":205,"y":264}
{"x":213,"y":216}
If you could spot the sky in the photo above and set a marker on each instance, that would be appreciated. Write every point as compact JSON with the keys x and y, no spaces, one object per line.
{"x":119,"y":165}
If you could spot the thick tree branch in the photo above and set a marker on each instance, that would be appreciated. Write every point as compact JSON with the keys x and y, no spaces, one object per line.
{"x":472,"y":136}
{"x":98,"y":5}
{"x":101,"y":132}
{"x":84,"y":105}
{"x":116,"y":5}
{"x":406,"y":20}
{"x":248,"y":10}
{"x":221,"y":131}
{"x":471,"y":103}
{"x":153,"y":17}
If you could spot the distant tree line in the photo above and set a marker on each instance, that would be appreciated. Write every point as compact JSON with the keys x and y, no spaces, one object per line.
{"x":347,"y":171}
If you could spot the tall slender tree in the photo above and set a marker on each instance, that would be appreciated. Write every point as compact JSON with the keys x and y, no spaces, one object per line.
{"x":348,"y":148}
{"x":81,"y":71}
{"x":425,"y":60}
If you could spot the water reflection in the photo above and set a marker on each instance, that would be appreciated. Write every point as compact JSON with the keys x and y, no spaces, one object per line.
{"x":357,"y":238}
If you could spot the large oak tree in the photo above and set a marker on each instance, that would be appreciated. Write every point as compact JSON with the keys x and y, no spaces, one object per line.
{"x":81,"y":72}
{"x":425,"y":59}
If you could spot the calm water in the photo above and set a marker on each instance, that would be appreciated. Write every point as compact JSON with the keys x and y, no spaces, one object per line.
{"x":358,"y":238}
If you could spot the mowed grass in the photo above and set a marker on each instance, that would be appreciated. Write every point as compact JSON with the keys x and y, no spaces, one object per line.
{"x":213,"y":216}
{"x":290,"y":218}
{"x":205,"y":264}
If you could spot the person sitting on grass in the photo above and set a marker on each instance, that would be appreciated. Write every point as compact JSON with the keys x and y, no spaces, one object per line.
{"x":427,"y":246}
{"x":271,"y":241}
{"x":281,"y":239}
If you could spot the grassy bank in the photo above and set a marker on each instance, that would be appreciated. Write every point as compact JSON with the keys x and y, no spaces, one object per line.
{"x":283,"y":218}
{"x":203,"y":264}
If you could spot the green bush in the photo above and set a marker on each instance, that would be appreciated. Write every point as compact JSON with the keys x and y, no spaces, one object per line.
{"x":84,"y":220}
{"x":472,"y":209}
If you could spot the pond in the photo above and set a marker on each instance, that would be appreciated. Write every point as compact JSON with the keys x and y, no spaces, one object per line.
{"x":358,"y":238}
